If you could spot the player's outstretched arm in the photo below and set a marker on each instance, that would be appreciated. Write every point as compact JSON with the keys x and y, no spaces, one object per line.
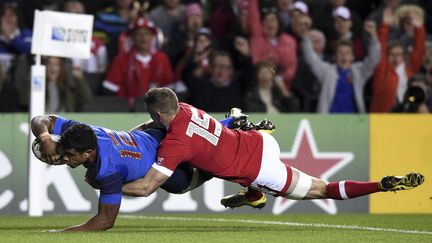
{"x":42,"y":124}
{"x":41,"y":127}
{"x":145,"y":186}
{"x":103,"y":220}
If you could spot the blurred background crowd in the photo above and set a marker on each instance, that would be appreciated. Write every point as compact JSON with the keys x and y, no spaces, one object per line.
{"x":273,"y":56}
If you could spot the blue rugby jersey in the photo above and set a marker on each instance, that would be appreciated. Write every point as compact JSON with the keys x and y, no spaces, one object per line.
{"x":121,"y":156}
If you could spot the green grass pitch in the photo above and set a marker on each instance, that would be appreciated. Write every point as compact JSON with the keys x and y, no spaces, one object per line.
{"x":236,"y":228}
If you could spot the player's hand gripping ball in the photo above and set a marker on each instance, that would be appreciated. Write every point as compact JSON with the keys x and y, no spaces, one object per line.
{"x":38,"y":153}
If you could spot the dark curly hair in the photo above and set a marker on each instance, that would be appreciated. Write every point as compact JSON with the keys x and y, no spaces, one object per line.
{"x":80,"y":137}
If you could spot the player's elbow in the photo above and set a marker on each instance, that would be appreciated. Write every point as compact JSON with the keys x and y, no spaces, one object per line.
{"x":143,"y":192}
{"x":105,"y":224}
{"x":34,"y":119}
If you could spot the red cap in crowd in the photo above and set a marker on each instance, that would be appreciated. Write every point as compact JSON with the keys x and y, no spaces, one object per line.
{"x":142,"y":23}
{"x":193,"y":9}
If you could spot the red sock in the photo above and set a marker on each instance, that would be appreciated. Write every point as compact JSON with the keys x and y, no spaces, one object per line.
{"x":253,"y":195}
{"x":342,"y":190}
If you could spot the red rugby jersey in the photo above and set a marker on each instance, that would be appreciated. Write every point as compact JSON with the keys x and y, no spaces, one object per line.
{"x":200,"y":140}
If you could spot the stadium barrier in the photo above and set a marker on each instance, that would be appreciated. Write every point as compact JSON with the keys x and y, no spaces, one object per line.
{"x":337,"y":147}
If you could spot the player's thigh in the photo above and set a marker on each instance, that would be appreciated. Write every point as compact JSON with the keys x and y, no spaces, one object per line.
{"x":278,"y":178}
{"x":272,"y":176}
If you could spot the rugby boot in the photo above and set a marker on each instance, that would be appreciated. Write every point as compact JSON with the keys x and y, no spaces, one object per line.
{"x":397,"y":183}
{"x":240,"y":199}
{"x":265,"y":126}
{"x":239,"y":119}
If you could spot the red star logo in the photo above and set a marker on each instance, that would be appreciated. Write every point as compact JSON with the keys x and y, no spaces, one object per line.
{"x":305,"y":157}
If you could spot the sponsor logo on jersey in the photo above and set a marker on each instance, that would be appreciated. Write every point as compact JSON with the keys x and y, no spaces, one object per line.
{"x":159,"y":160}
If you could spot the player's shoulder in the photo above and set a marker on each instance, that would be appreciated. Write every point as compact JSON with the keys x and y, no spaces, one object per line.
{"x":106,"y":146}
{"x":185,"y":106}
{"x":182,"y":116}
{"x":106,"y":163}
{"x":190,"y":109}
{"x":176,"y":138}
{"x":173,"y":147}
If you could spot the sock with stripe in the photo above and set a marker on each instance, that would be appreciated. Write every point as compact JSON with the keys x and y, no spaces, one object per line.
{"x":342,"y":190}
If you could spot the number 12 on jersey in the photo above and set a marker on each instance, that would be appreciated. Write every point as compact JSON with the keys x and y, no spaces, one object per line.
{"x":200,"y":126}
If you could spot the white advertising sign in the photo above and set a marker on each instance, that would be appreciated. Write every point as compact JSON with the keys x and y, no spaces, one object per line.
{"x":62,"y":34}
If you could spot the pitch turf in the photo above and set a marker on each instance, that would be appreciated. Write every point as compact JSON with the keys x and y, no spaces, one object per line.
{"x":227,"y":228}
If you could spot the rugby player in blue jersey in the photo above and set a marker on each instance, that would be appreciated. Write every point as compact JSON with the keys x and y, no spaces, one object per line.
{"x":113,"y":158}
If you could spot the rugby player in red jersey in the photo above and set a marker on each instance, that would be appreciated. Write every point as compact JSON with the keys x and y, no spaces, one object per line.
{"x":250,"y":158}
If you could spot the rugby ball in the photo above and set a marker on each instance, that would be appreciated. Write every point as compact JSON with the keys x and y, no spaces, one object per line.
{"x":37,"y":150}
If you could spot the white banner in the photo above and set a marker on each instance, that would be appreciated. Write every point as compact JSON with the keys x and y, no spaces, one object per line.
{"x":62,"y":34}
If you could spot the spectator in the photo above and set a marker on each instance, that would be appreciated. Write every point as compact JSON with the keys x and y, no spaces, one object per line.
{"x":14,"y":39}
{"x":167,"y":16}
{"x":238,"y":29}
{"x":343,"y":28}
{"x":343,"y":82}
{"x":322,"y":16}
{"x":404,"y":23}
{"x":15,"y":45}
{"x":377,"y":15}
{"x":222,"y":18}
{"x":65,"y":93}
{"x":299,"y":17}
{"x":221,"y":89}
{"x":285,"y":7}
{"x":94,"y":67}
{"x":74,"y":6}
{"x":196,"y":61}
{"x":8,"y":95}
{"x":305,"y":85}
{"x":269,"y":43}
{"x":182,"y":40}
{"x":318,"y":40}
{"x":111,"y":22}
{"x":392,"y":73}
{"x":269,"y":94}
{"x":132,"y":73}
{"x":51,"y":5}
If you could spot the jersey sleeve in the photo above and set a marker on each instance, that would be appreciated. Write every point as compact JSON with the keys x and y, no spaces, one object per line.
{"x":227,"y":122}
{"x":62,"y":124}
{"x":170,"y":155}
{"x":111,"y":189}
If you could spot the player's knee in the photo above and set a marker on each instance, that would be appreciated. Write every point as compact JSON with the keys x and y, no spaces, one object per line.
{"x":317,"y":190}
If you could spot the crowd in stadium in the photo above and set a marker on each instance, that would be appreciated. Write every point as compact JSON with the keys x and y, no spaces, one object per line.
{"x":273,"y":56}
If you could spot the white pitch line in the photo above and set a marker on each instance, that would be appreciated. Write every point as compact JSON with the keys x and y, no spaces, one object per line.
{"x":250,"y":221}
